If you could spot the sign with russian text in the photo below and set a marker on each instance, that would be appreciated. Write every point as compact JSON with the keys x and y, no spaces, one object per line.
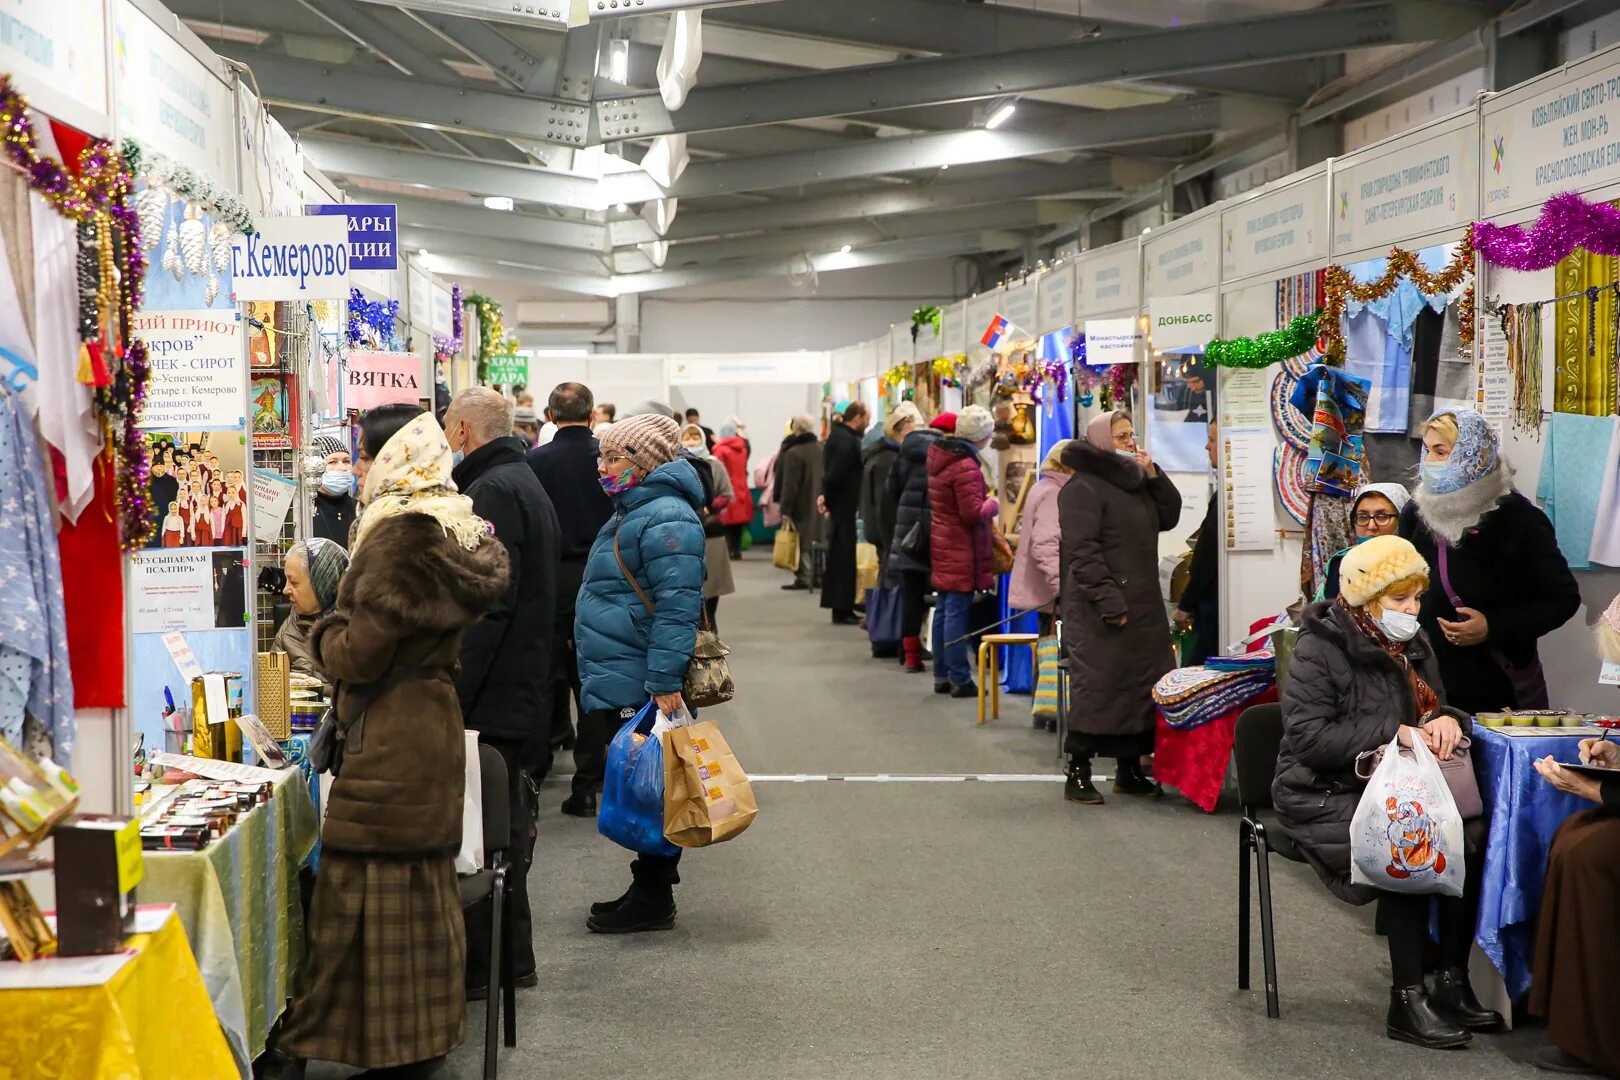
{"x":1056,"y":299}
{"x":1110,"y":280}
{"x":507,"y":370}
{"x":1276,"y":229}
{"x":953,"y":329}
{"x":373,"y":232}
{"x":1019,"y":306}
{"x":183,"y":107}
{"x":1180,"y":259}
{"x":1557,"y":133}
{"x":1181,"y":322}
{"x":293,"y":258}
{"x":54,"y":52}
{"x":371,"y":379}
{"x":1113,"y":341}
{"x":196,"y":359}
{"x":1397,"y":191}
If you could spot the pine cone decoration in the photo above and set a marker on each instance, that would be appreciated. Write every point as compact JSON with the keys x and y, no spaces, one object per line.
{"x":211,"y":290}
{"x":219,"y":240}
{"x":193,"y":243}
{"x":151,"y":208}
{"x":171,"y":258}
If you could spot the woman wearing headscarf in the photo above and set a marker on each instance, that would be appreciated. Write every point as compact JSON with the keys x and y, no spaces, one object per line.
{"x":1375,"y":511}
{"x":1114,"y":625}
{"x":732,"y":452}
{"x":798,"y":482}
{"x":314,"y":568}
{"x":717,"y":579}
{"x":383,"y":986}
{"x":637,"y":623}
{"x":1037,"y":574}
{"x":1500,"y":583}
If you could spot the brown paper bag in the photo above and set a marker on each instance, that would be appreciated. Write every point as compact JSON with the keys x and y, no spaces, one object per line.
{"x":707,"y":797}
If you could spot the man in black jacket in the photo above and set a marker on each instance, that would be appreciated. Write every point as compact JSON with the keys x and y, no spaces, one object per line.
{"x":566,"y":468}
{"x":506,"y":655}
{"x":840,"y":501}
{"x":1200,"y":604}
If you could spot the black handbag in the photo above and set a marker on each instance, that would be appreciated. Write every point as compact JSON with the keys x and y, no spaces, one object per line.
{"x":915,"y":544}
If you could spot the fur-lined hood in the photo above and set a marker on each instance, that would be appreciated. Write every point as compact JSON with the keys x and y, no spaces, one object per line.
{"x":412,"y":571}
{"x":1124,"y":474}
{"x":1451,"y":515}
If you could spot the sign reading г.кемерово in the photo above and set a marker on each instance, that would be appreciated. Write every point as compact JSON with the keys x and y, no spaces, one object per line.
{"x":373,"y":232}
{"x":292,"y":258}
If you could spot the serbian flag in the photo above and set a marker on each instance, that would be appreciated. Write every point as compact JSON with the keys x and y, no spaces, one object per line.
{"x":998,"y":331}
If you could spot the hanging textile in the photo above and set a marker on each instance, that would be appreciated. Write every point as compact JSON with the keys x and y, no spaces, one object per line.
{"x":32,"y":621}
{"x":1606,"y":532}
{"x":1443,"y":376}
{"x":1584,"y":364}
{"x":1336,"y":401}
{"x":93,"y":596}
{"x":1570,"y":490}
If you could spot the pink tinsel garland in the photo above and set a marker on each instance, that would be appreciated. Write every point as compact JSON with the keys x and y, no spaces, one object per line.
{"x":1566,"y":222}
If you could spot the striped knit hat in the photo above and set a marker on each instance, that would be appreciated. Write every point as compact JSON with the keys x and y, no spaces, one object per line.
{"x":647,"y":441}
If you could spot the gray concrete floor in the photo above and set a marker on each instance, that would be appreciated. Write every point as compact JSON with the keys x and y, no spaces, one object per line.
{"x":933,"y":930}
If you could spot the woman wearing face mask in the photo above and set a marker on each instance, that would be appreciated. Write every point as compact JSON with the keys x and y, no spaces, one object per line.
{"x":717,"y":580}
{"x":314,"y":568}
{"x":1499,"y":582}
{"x":1362,"y":672}
{"x":1376,"y":511}
{"x":334,"y":501}
{"x":1115,"y":629}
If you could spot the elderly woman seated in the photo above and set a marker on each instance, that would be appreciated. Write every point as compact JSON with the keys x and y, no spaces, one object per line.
{"x":314,"y":568}
{"x":1577,"y":944}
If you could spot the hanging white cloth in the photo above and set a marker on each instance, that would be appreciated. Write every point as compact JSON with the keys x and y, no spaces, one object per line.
{"x":64,"y":405}
{"x":1606,"y":531}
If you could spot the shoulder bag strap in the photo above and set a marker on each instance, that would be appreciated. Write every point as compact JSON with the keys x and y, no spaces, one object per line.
{"x":703,"y":616}
{"x":1445,"y":577}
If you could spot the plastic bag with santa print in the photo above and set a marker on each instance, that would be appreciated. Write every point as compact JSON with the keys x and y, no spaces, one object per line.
{"x":1406,"y":835}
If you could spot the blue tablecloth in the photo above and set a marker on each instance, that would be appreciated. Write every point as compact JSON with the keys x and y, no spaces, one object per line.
{"x":1524,"y":812}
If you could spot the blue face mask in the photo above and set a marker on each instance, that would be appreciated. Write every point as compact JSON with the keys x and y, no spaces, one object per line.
{"x":456,"y":458}
{"x":1128,"y":455}
{"x":335,"y":482}
{"x":1433,"y":473}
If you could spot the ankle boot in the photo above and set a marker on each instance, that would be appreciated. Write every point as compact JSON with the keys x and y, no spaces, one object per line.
{"x":1077,"y":785}
{"x":911,"y":655}
{"x":1413,"y":1019}
{"x":645,"y":907}
{"x":1130,"y":781}
{"x":1453,"y":998}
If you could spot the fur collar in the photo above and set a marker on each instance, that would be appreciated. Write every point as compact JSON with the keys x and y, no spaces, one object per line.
{"x":1081,"y":456}
{"x":412,"y":572}
{"x":1451,"y":515}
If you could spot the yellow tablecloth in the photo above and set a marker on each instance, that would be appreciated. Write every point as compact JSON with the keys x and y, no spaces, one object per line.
{"x":151,"y":1021}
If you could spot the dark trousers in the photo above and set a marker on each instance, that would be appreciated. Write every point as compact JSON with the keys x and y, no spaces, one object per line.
{"x":734,"y":535}
{"x":596,"y":730}
{"x":1405,"y":919}
{"x":519,"y":846}
{"x":838,"y":580}
{"x":712,"y":607}
{"x":913,"y":594}
{"x":656,"y":873}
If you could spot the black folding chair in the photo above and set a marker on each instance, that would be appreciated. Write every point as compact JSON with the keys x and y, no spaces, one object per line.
{"x":489,"y":884}
{"x":1255,"y":747}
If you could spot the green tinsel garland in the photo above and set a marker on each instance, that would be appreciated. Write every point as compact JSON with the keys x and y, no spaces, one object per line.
{"x":1263,"y":350}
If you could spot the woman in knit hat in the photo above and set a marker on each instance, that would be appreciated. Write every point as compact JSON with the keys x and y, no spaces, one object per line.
{"x":961,"y":510}
{"x":636,"y":623}
{"x":1362,"y":672}
{"x":1500,"y":583}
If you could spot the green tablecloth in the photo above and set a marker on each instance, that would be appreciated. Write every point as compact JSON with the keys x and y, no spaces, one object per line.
{"x":238,"y":899}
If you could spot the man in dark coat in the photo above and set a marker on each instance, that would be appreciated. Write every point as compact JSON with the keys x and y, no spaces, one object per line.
{"x":798,"y":479}
{"x":566,"y":468}
{"x":506,"y":655}
{"x":840,"y":501}
{"x":1200,"y":605}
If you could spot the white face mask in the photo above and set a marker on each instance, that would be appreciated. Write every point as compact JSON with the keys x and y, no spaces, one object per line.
{"x":1398,"y":625}
{"x":1128,"y":455}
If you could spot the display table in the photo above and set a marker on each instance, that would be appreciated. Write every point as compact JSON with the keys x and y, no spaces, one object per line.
{"x":1524,"y":812}
{"x":1194,"y":761}
{"x":148,"y":1020}
{"x":239,"y":901}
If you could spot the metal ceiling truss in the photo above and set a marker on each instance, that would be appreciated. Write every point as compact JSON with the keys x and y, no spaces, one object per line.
{"x":564,"y":260}
{"x":504,"y":225}
{"x":512,"y":64}
{"x":553,"y":14}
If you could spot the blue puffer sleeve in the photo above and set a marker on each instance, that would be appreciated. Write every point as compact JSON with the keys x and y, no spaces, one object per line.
{"x":672,"y":556}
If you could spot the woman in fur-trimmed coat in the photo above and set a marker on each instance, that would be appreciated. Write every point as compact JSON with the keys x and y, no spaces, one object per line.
{"x":383,"y":987}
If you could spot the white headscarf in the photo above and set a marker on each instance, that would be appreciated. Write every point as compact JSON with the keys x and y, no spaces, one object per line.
{"x":412,"y":476}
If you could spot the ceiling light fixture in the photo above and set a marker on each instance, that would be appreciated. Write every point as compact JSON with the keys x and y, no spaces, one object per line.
{"x":942,"y":168}
{"x":844,"y":250}
{"x":498,"y":202}
{"x":1000,"y":114}
{"x":623,"y":208}
{"x":422,"y":252}
{"x":619,"y":61}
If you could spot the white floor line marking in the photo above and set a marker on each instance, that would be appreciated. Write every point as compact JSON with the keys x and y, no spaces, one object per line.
{"x":890,"y":778}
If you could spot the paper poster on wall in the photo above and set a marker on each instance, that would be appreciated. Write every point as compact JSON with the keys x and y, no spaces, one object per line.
{"x":190,"y":261}
{"x":187,"y":590}
{"x":441,"y":319}
{"x":1495,"y":399}
{"x":198,"y":488}
{"x":196,"y":362}
{"x":273,"y":420}
{"x":296,"y":258}
{"x":1245,"y":398}
{"x":1181,"y":322}
{"x":1113,"y":341}
{"x":272,"y":497}
{"x":371,"y":379}
{"x":1246,"y":478}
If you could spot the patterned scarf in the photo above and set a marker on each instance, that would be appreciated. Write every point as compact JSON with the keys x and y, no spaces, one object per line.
{"x":1422,"y":693}
{"x":412,"y":476}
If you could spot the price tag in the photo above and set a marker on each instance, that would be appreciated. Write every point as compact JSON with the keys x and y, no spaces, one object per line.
{"x":1610,"y":675}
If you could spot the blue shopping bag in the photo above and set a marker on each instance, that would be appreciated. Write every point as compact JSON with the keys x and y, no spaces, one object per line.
{"x":883,"y":615}
{"x":632,"y":813}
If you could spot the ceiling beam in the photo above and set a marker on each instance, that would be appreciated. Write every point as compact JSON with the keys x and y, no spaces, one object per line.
{"x":504,"y":225}
{"x":359,"y":25}
{"x":349,"y":157}
{"x":846,"y":91}
{"x":563,"y":260}
{"x":461,"y":266}
{"x":512,"y":64}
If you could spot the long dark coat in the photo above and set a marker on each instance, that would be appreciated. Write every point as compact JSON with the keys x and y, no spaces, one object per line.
{"x":800,"y":470}
{"x":1111,"y":514}
{"x":1345,"y":695}
{"x":906,"y":492}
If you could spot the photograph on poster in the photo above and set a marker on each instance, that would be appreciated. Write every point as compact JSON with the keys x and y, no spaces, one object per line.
{"x":198,"y":488}
{"x":190,"y":261}
{"x":272,"y":430}
{"x":230,"y":588}
{"x":1183,"y":405}
{"x":261,"y":342}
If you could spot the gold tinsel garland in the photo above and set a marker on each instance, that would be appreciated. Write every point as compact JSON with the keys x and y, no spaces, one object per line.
{"x":1341,"y":287}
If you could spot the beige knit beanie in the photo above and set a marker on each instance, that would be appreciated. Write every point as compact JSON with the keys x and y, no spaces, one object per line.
{"x":648,"y":441}
{"x":1372,"y":566}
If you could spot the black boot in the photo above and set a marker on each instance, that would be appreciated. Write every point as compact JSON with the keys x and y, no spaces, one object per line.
{"x":1078,"y":788}
{"x":964,"y":690}
{"x":274,"y":1065}
{"x":1413,"y":1019}
{"x":580,"y":804}
{"x":1130,"y":781}
{"x":1454,"y":999}
{"x":645,"y":907}
{"x":1551,"y":1059}
{"x":603,"y":907}
{"x":942,"y":686}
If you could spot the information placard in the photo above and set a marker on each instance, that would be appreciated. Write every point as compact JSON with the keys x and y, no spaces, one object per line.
{"x":1056,"y":296}
{"x":168,"y":98}
{"x":53,"y":49}
{"x":507,"y":369}
{"x":1110,"y":280}
{"x":272,"y":498}
{"x":292,"y":259}
{"x":1183,"y":257}
{"x":1558,"y":133}
{"x":373,"y":232}
{"x":382,"y":378}
{"x":1182,"y":322}
{"x":1113,"y":341}
{"x":1420,"y":184}
{"x":1276,"y":229}
{"x":197,"y":375}
{"x":1018,"y":307}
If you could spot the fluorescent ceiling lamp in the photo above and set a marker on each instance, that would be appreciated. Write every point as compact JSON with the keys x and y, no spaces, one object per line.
{"x":549,"y":14}
{"x":422,"y":252}
{"x":659,"y":213}
{"x":679,"y":58}
{"x":666,"y":159}
{"x":1000,"y":115}
{"x":844,"y":250}
{"x":498,"y":202}
{"x":619,"y":61}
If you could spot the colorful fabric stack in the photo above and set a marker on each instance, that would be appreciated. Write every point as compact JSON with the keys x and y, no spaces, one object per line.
{"x":1191,"y":697}
{"x":1336,"y":401}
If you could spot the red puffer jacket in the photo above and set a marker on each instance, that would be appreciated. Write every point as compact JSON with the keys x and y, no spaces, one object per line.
{"x":733,"y":454}
{"x":959,"y":534}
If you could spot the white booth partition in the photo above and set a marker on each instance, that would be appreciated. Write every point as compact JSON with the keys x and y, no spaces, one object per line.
{"x":1107,"y":307}
{"x":763,"y":390}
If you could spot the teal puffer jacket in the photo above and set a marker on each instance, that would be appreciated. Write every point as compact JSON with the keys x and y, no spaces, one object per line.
{"x":625,"y":653}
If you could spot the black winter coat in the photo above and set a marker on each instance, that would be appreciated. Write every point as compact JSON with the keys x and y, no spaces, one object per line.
{"x":566,"y":468}
{"x":1345,"y":695}
{"x":1507,"y":565}
{"x":841,"y":471}
{"x":877,"y":512}
{"x":506,"y":655}
{"x":906,"y":495}
{"x":334,"y":517}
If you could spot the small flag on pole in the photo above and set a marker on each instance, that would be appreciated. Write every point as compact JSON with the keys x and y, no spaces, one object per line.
{"x":998,"y":331}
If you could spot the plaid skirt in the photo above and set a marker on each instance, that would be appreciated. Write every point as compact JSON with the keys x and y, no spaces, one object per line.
{"x":384,"y":980}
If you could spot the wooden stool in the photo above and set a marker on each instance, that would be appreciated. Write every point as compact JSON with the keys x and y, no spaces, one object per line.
{"x":992,"y":683}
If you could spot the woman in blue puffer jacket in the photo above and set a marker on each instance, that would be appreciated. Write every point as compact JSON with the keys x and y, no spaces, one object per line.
{"x":626,"y":652}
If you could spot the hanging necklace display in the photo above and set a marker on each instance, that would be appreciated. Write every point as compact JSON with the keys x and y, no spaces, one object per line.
{"x":1521,"y":325}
